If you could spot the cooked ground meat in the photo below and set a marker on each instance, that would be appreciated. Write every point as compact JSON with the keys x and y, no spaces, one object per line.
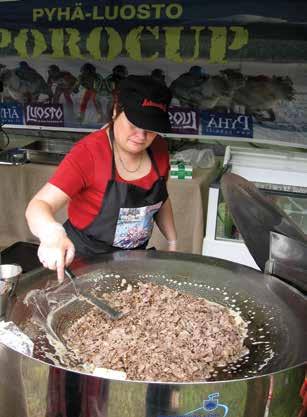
{"x":164,"y":335}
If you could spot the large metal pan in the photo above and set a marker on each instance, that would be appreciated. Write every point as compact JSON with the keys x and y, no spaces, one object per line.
{"x":277,"y":338}
{"x":275,"y":311}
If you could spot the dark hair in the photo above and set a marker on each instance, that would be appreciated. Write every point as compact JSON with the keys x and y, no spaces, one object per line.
{"x":23,"y":64}
{"x":88,"y":67}
{"x":53,"y":68}
{"x":197,"y":71}
{"x":157,"y":72}
{"x":120,"y":71}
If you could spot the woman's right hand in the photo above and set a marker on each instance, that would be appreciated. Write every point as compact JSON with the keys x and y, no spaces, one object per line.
{"x":56,"y":250}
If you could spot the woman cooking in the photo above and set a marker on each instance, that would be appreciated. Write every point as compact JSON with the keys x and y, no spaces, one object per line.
{"x":114,"y":182}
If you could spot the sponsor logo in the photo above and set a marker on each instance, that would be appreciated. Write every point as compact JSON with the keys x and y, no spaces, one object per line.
{"x":150,"y":103}
{"x":44,"y":115}
{"x":211,"y":407}
{"x":184,"y":121}
{"x":226,"y":124}
{"x":11,"y":114}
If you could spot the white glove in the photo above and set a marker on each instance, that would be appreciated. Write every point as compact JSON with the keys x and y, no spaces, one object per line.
{"x":55,"y":250}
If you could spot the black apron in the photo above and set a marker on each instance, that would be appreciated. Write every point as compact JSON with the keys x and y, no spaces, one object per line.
{"x":126,"y":216}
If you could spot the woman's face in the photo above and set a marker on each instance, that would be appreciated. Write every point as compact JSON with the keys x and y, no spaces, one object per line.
{"x":129,"y":137}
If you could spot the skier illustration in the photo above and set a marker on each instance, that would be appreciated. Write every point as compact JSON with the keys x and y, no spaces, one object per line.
{"x":23,"y":84}
{"x":93,"y":83}
{"x":119,"y":72}
{"x":62,"y":83}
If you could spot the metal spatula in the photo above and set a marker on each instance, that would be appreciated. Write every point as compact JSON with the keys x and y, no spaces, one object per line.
{"x":98,"y":302}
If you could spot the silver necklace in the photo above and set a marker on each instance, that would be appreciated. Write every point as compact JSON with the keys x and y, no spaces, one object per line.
{"x":123,"y":165}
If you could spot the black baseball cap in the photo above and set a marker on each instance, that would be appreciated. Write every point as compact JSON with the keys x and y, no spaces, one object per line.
{"x":145,"y":102}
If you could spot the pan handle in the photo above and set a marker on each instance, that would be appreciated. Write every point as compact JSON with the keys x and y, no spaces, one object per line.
{"x":288,"y":260}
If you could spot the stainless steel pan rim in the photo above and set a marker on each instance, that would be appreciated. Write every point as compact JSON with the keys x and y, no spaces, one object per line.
{"x":252,"y":378}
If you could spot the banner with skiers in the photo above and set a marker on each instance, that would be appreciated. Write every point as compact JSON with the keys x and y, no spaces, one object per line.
{"x":235,"y":70}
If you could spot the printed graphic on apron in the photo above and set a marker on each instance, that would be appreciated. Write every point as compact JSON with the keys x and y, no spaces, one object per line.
{"x":134,"y":226}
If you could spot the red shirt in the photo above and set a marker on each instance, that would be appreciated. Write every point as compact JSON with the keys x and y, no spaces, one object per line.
{"x":85,"y":171}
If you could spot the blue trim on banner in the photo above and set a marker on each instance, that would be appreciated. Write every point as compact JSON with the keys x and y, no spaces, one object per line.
{"x":39,"y":13}
{"x":213,"y":10}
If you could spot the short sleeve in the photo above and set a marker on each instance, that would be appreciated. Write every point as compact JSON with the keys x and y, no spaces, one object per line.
{"x":75,"y":172}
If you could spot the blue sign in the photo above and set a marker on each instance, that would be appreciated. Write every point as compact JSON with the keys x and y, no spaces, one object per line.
{"x":219,"y":10}
{"x":184,"y":121}
{"x":41,"y":114}
{"x":11,"y":114}
{"x":211,"y":407}
{"x":226,"y":124}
